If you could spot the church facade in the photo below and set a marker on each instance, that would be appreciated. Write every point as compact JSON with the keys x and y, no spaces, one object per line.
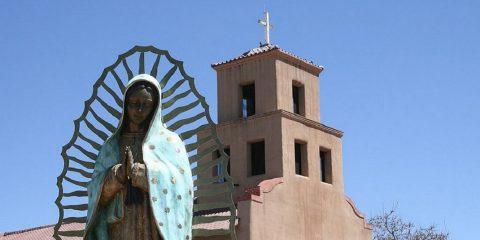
{"x":286,"y":165}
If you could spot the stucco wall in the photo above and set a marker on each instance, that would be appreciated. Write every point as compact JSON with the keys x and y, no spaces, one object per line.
{"x":273,"y":75}
{"x":238,"y":134}
{"x":286,"y":75}
{"x":304,"y":210}
{"x":314,"y":140}
{"x":259,"y":70}
{"x":310,"y":208}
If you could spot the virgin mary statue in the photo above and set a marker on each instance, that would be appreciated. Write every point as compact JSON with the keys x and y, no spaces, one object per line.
{"x":142,"y":187}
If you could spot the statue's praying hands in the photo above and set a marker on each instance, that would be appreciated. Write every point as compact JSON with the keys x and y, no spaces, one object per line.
{"x":135,"y":171}
{"x":129,"y":170}
{"x":124,"y":176}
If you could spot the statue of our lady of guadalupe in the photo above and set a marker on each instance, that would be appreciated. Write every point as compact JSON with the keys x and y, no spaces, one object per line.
{"x":142,"y":187}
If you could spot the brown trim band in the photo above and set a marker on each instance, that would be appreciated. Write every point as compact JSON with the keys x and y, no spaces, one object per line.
{"x":291,"y":116}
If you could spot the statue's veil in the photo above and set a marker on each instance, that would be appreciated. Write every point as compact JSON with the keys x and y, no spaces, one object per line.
{"x":183,"y":111}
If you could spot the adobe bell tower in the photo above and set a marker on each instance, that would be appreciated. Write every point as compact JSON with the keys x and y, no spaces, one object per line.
{"x":273,"y":72}
{"x":285,"y":164}
{"x":268,"y":118}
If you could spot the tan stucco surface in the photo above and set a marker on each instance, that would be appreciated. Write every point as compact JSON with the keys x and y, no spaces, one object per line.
{"x":291,"y":206}
{"x":310,"y":208}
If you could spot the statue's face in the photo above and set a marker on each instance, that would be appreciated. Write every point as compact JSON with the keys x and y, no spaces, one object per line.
{"x":140,"y":104}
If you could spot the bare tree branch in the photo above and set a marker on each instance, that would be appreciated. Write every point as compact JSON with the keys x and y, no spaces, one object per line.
{"x":389,"y":226}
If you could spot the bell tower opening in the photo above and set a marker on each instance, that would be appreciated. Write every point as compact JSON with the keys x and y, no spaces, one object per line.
{"x":257,"y":158}
{"x":301,"y":160}
{"x":248,"y":100}
{"x":325,"y":166}
{"x":298,"y":98}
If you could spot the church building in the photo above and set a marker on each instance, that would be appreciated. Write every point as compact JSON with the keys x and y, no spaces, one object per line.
{"x":286,"y":165}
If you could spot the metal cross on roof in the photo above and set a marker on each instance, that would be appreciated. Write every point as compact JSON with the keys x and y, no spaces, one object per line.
{"x":266,"y":22}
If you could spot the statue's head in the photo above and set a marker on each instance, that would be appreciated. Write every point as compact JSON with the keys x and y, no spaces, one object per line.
{"x":141,"y":102}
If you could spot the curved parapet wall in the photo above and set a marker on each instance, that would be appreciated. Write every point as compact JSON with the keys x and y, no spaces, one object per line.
{"x":358,"y":213}
{"x":256,"y":193}
{"x":299,"y":208}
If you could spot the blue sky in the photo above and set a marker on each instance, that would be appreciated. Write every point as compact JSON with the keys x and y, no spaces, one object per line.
{"x":400,"y":79}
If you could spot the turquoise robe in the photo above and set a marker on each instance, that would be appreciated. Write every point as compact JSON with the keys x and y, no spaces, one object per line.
{"x":169,"y":177}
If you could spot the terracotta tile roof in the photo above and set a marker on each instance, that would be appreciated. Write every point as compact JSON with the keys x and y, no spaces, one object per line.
{"x":263,"y":49}
{"x":218,"y":225}
{"x":46,"y":232}
{"x":40,"y":233}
